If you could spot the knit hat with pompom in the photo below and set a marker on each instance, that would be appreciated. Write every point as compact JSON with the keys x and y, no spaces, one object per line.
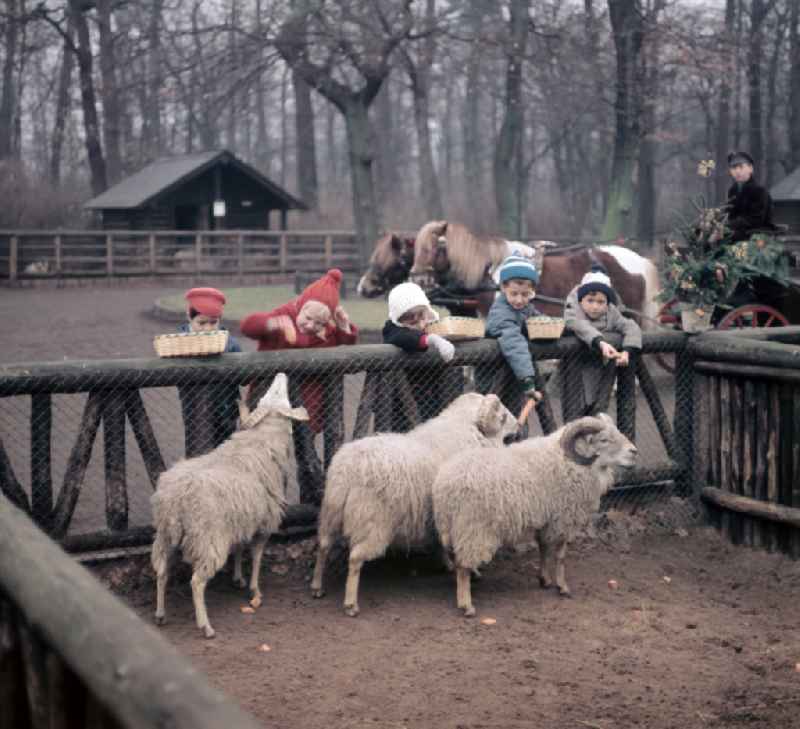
{"x":518,"y":267}
{"x":404,"y":297}
{"x":325,"y":290}
{"x":597,"y":280}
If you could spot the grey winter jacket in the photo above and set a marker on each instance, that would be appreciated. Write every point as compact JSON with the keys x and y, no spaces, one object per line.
{"x":590,"y":331}
{"x":508,"y":327}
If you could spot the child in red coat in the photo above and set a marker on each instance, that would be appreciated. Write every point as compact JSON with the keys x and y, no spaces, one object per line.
{"x":314,"y":319}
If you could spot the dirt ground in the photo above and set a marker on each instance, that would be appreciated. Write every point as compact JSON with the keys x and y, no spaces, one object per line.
{"x":715,"y":644}
{"x":697,"y":633}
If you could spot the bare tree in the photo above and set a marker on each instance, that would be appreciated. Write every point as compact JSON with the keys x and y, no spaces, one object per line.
{"x":759,"y":9}
{"x":794,"y":86}
{"x":110,"y":93}
{"x":627,"y":26}
{"x":347,"y":59}
{"x":510,"y":171}
{"x":8,"y":102}
{"x":727,"y":79}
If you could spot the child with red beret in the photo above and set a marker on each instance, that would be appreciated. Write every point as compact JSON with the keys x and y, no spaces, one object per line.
{"x":313,"y":320}
{"x":218,"y":400}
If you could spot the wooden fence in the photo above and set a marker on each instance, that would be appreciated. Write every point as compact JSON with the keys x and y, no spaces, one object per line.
{"x":73,"y":656}
{"x":37,"y":255}
{"x":378,"y":397}
{"x":747,"y":459}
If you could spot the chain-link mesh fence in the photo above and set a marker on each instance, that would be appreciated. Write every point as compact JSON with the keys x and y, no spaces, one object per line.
{"x":83,"y":442}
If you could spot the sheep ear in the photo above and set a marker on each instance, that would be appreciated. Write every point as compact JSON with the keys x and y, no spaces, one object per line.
{"x":441,"y":227}
{"x":488,"y":420}
{"x":577,"y":440}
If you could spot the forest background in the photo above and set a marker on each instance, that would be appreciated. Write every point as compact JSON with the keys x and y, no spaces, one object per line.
{"x":571,"y":118}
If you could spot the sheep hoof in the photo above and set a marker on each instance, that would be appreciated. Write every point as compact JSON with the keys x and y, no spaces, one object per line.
{"x":564,"y":592}
{"x":351,"y":610}
{"x":208,"y":631}
{"x":240,"y":583}
{"x":160,"y":619}
{"x":469,"y":611}
{"x":255,"y":601}
{"x":476,"y":575}
{"x":317,"y":592}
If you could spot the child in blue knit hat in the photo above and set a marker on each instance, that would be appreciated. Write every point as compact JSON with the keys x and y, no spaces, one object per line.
{"x":508,"y":316}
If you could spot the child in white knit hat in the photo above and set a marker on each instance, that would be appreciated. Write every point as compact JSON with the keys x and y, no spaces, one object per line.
{"x":409,"y":313}
{"x":590,"y":312}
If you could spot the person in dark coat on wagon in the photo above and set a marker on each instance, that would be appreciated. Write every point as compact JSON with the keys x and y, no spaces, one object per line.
{"x":749,"y":204}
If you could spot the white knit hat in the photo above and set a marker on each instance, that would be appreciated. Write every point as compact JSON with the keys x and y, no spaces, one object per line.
{"x":597,"y":280}
{"x":406,"y":296}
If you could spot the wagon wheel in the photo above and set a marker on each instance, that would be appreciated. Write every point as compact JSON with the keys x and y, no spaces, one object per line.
{"x":753,"y":315}
{"x":670,"y":318}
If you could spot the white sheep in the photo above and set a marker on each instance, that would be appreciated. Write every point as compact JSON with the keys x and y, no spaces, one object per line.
{"x":230,"y":497}
{"x":549,"y":486}
{"x":378,"y":489}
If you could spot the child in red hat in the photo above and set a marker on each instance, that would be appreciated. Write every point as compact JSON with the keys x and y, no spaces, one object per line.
{"x":218,"y":400}
{"x":313,"y":320}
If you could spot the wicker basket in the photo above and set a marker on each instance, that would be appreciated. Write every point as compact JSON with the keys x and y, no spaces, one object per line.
{"x":190,"y":344}
{"x":545,"y":327}
{"x":458,"y":327}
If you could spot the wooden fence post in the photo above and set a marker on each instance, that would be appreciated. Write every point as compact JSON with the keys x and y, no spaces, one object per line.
{"x":57,"y":252}
{"x":328,"y":251}
{"x":41,"y":473}
{"x":13,"y":258}
{"x":240,"y":255}
{"x":198,"y":252}
{"x":283,"y":253}
{"x":109,"y":255}
{"x":152,"y":242}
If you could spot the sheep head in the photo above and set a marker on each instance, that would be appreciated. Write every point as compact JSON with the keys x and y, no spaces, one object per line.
{"x":596,"y":441}
{"x":494,"y":419}
{"x":274,"y":402}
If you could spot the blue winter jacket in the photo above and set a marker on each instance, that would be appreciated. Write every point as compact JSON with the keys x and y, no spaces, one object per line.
{"x":508,"y":327}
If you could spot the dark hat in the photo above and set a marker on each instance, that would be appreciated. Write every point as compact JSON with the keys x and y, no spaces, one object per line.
{"x":739,"y":158}
{"x":597,"y":280}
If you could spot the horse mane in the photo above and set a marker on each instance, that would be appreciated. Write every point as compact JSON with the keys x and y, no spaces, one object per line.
{"x":468,"y":254}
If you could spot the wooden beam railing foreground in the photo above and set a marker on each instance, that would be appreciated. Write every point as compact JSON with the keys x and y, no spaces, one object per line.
{"x":73,"y":655}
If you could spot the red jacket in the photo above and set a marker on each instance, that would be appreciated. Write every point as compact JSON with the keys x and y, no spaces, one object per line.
{"x":254,"y":326}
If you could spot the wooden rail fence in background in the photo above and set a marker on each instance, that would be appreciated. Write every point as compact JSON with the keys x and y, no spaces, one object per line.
{"x":31,"y":255}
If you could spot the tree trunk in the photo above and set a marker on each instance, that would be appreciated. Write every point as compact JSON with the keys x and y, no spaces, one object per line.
{"x":110,"y":93}
{"x":307,"y":183}
{"x":154,"y":141}
{"x":509,"y":152}
{"x":772,"y":148}
{"x":360,"y":144}
{"x":794,"y":87}
{"x":626,"y":23}
{"x":8,"y":103}
{"x":62,"y":105}
{"x":755,"y":51}
{"x":471,"y":120}
{"x":419,"y":75}
{"x":727,"y":76}
{"x":97,"y":163}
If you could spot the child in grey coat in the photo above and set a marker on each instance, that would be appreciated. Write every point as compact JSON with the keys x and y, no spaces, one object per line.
{"x":590,"y":312}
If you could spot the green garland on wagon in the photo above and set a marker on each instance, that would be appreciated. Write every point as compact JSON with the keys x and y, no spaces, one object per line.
{"x":703,"y":265}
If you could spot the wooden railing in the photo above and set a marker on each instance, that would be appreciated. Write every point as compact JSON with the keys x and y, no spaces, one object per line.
{"x":747,"y":402}
{"x":72,"y":655}
{"x":27,"y":254}
{"x":379,"y":394}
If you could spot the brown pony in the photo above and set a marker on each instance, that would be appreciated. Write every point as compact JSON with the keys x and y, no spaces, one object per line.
{"x":451,"y":256}
{"x":389,"y":265}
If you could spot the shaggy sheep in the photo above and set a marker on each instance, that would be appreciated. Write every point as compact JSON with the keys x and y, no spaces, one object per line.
{"x":378,"y":489}
{"x":548,"y":485}
{"x":224,"y":499}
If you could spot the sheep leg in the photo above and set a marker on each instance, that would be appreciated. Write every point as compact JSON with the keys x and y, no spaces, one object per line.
{"x":199,"y":597}
{"x":161,"y":591}
{"x":351,"y":587}
{"x":256,"y":553}
{"x":561,"y":582}
{"x":464,"y":591}
{"x":238,"y":578}
{"x":545,"y":572}
{"x":317,"y":590}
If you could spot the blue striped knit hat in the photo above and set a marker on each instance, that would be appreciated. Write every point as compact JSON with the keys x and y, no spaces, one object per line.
{"x":518,"y":267}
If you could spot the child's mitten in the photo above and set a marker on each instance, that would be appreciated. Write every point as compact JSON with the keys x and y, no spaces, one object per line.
{"x":445,"y":349}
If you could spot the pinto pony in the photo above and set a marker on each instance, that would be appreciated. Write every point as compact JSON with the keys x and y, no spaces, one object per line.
{"x":449,"y":255}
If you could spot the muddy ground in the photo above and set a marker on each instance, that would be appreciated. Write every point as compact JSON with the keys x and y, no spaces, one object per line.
{"x":697,"y":633}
